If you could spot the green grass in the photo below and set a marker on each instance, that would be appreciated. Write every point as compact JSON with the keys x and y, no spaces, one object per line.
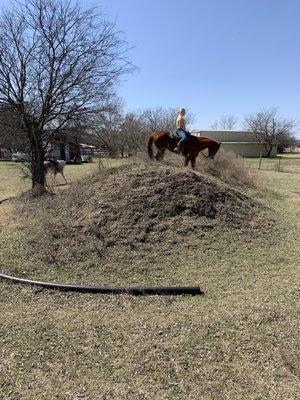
{"x":239,"y":341}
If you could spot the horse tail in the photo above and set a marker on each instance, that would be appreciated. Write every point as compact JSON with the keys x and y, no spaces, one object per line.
{"x":149,"y":148}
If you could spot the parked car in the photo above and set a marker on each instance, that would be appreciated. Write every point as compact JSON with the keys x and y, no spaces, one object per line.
{"x":75,"y":160}
{"x":86,"y":158}
{"x":19,"y":157}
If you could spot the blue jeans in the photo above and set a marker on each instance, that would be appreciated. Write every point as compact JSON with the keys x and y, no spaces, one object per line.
{"x":183,"y":137}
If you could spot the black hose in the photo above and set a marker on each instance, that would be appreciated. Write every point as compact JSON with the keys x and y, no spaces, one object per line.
{"x":2,"y":201}
{"x":135,"y":291}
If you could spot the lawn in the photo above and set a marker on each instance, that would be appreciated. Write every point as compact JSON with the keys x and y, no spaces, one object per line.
{"x":14,"y":179}
{"x":239,"y":341}
{"x":289,"y":163}
{"x":12,"y":182}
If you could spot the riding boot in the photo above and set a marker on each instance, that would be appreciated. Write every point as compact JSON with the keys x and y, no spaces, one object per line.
{"x":178,"y":149}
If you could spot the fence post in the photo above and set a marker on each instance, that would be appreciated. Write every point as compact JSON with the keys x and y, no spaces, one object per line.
{"x":260,"y":159}
{"x":279,"y":160}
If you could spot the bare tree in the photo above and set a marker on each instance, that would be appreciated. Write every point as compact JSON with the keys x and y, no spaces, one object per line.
{"x":271,"y":130}
{"x":105,"y":132}
{"x":134,"y":132}
{"x":57,"y":61}
{"x":160,"y":118}
{"x":121,"y":134}
{"x":12,"y":134}
{"x":226,"y":122}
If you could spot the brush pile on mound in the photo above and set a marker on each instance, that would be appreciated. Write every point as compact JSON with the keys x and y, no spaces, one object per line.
{"x":144,"y":204}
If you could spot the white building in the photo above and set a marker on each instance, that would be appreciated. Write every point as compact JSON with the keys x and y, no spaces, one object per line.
{"x":242,"y":143}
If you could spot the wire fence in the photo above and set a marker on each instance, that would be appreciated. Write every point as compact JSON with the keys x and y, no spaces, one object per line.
{"x":281,"y":163}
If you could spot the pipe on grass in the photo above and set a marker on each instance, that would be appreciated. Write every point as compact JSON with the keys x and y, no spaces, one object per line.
{"x":135,"y":291}
{"x":2,"y":201}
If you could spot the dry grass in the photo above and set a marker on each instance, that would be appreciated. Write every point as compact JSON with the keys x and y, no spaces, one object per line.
{"x":230,"y":169}
{"x":13,"y":181}
{"x":287,"y":163}
{"x":226,"y":167}
{"x":240,"y":341}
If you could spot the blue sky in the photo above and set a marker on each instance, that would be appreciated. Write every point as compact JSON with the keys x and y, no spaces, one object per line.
{"x":213,"y":57}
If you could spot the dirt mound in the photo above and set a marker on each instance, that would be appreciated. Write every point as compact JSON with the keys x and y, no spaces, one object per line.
{"x":147,"y":204}
{"x":134,"y":223}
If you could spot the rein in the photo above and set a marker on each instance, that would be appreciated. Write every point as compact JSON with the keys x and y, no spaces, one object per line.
{"x":204,"y":155}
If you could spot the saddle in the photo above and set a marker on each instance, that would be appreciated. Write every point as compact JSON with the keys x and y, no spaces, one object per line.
{"x":173,"y":135}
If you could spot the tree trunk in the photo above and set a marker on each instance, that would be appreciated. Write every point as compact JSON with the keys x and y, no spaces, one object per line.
{"x":37,"y":164}
{"x":269,"y":149}
{"x":37,"y":155}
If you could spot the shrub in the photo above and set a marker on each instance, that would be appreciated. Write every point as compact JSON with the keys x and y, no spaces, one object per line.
{"x":229,"y":168}
{"x":226,"y":166}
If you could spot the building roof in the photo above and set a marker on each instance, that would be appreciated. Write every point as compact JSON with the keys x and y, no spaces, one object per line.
{"x":241,"y":142}
{"x":87,"y":146}
{"x":219,"y":131}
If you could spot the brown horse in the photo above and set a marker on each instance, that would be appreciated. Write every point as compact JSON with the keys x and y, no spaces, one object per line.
{"x":166,"y":141}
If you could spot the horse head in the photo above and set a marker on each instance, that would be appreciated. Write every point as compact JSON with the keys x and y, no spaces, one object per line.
{"x":213,"y":149}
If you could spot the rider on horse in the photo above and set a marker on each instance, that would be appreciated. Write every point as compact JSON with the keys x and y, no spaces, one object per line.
{"x":181,"y":130}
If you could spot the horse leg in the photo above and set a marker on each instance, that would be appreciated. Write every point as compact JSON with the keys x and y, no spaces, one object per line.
{"x":62,"y":174}
{"x":187,"y":160}
{"x":46,"y":181}
{"x":160,"y":154}
{"x":193,"y":162}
